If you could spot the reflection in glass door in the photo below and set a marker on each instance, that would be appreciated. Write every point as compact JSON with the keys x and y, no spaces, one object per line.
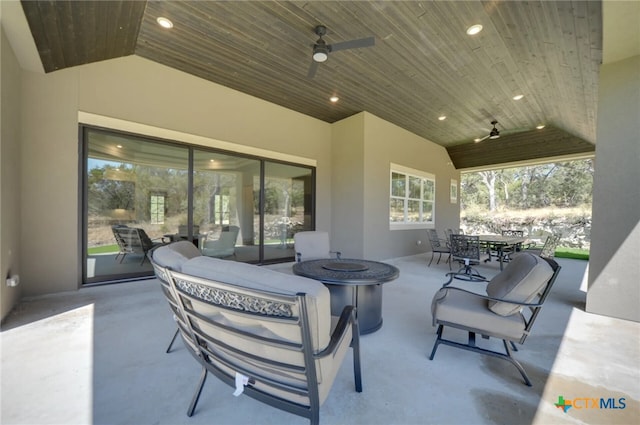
{"x":136,"y":195}
{"x":141,"y":192}
{"x":288,"y":207}
{"x":223,"y":205}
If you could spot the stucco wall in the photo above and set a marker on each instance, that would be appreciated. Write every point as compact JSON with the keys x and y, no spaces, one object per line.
{"x":143,"y":95}
{"x":347,"y":183}
{"x":9,"y":175}
{"x":386,"y":143}
{"x":615,"y":252}
{"x":364,"y":146}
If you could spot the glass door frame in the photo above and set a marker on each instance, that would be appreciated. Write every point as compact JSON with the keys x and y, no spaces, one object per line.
{"x":83,"y":194}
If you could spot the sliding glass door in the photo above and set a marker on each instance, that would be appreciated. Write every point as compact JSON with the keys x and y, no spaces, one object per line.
{"x":139,"y":192}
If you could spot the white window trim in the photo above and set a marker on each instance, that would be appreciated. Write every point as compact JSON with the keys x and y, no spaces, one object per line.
{"x":416,"y":173}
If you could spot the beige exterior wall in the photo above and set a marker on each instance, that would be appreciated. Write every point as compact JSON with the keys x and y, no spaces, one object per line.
{"x":386,"y":143}
{"x":347,"y":183}
{"x":364,"y":146}
{"x":137,"y":95}
{"x":614,"y":264}
{"x":9,"y":175}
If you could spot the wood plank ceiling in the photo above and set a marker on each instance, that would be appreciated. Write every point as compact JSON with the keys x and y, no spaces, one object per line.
{"x":423,"y":64}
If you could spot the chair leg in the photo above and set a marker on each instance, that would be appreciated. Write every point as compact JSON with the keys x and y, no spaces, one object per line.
{"x":172,"y":341}
{"x":355,"y":346}
{"x":468,"y":273}
{"x":471,"y":346}
{"x":196,"y":396}
{"x":517,"y":364}
{"x":431,"y":259}
{"x":435,"y":345}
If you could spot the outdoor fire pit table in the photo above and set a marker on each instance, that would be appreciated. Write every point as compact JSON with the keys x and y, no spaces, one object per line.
{"x":352,"y":282}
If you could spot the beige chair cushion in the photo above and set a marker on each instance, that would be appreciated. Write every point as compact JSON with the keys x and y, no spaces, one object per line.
{"x":469,"y":311}
{"x":520,"y":281}
{"x":312,"y":245}
{"x":255,"y":277}
{"x":175,"y":254}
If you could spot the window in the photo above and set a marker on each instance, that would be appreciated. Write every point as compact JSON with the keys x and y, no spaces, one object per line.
{"x":412,"y":198}
{"x":157,"y":208}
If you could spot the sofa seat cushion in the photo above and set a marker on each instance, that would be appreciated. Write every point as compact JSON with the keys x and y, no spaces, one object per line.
{"x":255,"y":277}
{"x":174,"y":255}
{"x":469,"y":311}
{"x":521,"y":281}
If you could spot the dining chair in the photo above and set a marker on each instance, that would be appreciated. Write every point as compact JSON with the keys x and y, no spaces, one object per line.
{"x":466,"y":250}
{"x":439,"y":246}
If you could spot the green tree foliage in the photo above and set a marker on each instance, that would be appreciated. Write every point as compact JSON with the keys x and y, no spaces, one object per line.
{"x":561,"y":184}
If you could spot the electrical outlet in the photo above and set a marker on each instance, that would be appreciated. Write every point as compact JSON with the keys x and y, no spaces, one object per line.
{"x":13,"y":281}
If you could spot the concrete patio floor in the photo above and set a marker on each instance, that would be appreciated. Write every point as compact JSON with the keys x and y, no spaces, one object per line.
{"x":96,"y":356}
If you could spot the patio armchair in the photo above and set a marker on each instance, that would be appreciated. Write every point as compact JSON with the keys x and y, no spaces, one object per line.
{"x":439,"y":246}
{"x":313,"y":245}
{"x":507,"y":310}
{"x":466,"y":250}
{"x":224,"y":246}
{"x":133,"y":240}
{"x":267,"y":334}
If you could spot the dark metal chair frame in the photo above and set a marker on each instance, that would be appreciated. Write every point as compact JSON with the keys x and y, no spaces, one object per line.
{"x":439,"y":246}
{"x":163,"y":278}
{"x":186,"y":291}
{"x":550,"y":245}
{"x":466,"y":250}
{"x":529,"y":315}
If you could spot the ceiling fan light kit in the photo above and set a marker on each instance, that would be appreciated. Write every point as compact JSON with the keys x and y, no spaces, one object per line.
{"x":494,"y":134}
{"x":321,"y":49}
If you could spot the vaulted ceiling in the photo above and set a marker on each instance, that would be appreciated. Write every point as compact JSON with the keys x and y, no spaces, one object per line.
{"x":423,"y":65}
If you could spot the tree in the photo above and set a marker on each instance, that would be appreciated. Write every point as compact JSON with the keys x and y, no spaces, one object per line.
{"x":563,"y":184}
{"x":489,"y":179}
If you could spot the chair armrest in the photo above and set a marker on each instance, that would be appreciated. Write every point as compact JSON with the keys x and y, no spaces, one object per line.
{"x":348,"y":317}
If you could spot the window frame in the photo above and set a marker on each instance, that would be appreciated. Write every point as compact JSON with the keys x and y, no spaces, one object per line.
{"x":422,"y":175}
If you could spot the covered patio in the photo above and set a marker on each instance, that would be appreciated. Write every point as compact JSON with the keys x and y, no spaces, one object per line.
{"x":97,"y":356}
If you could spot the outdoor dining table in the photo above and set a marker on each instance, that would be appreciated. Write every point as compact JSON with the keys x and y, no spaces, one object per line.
{"x":500,"y":243}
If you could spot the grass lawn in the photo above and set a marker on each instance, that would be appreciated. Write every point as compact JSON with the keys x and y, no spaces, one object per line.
{"x":576,"y":253}
{"x":105,"y":249}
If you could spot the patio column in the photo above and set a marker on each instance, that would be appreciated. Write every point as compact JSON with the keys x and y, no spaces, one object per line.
{"x":615,"y":249}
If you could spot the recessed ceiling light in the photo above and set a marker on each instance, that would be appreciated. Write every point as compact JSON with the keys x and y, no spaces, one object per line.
{"x":334,"y":99}
{"x":164,"y":22}
{"x":518,"y":97}
{"x":119,"y":146}
{"x":540,"y":127}
{"x":474,"y":29}
{"x":442,"y":117}
{"x":212,"y":160}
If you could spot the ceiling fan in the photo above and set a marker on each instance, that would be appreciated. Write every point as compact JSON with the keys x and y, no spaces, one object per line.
{"x":321,"y":49}
{"x":493,"y":134}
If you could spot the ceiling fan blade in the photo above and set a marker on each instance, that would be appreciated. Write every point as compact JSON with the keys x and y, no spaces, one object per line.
{"x":312,"y":69}
{"x":482,"y":139}
{"x":354,"y":44}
